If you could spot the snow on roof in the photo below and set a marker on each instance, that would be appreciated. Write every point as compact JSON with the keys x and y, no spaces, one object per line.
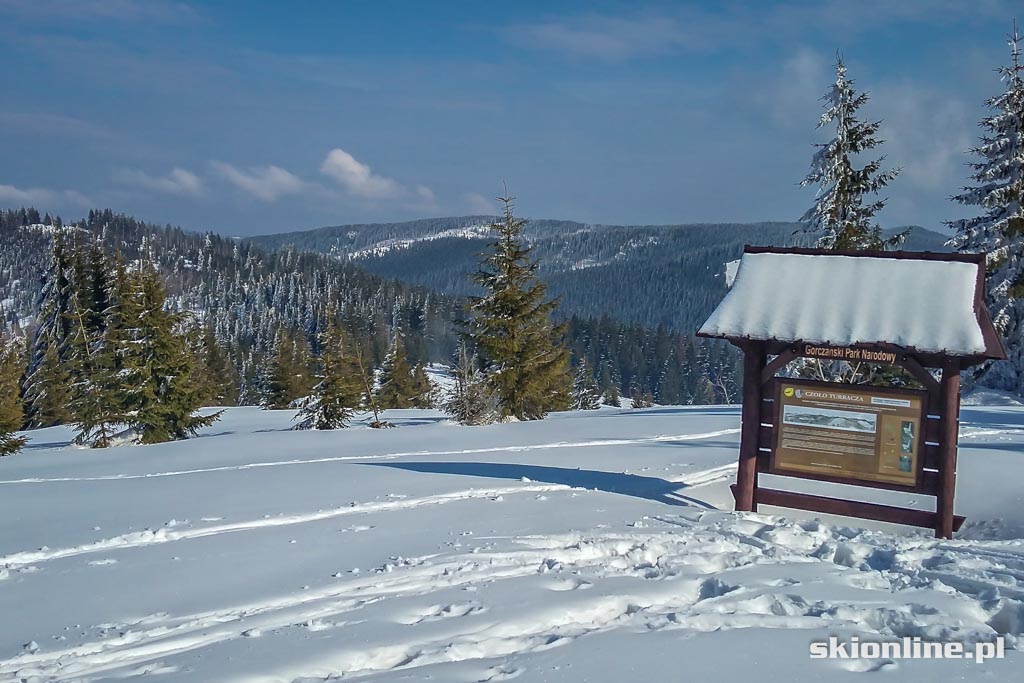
{"x":922,"y":304}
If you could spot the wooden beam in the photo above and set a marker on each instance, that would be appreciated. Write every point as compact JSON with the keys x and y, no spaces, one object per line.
{"x":750,"y":428}
{"x":950,"y":405}
{"x":911,"y":365}
{"x":780,"y":361}
{"x":851,"y":508}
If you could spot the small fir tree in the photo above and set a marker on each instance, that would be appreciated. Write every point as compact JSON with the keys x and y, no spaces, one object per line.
{"x":843,"y":215}
{"x":365,"y":371}
{"x":218,"y":377}
{"x":999,"y":230}
{"x":338,"y":393}
{"x":285,"y":374}
{"x":12,"y":352}
{"x":471,"y":400}
{"x":585,"y":394}
{"x":612,"y":397}
{"x":526,"y":361}
{"x":396,"y":387}
{"x":422,"y":389}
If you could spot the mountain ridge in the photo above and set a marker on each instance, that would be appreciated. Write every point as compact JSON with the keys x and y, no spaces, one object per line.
{"x":668,"y":275}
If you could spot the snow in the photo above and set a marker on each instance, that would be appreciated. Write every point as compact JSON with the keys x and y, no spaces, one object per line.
{"x":384,"y":246}
{"x":591,"y":546}
{"x":730,"y":272}
{"x":840,"y":300}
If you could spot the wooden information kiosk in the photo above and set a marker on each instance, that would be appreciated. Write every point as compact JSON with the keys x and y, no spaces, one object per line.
{"x":923,"y":312}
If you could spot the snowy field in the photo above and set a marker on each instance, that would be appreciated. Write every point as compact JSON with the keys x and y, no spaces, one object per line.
{"x":590,"y":546}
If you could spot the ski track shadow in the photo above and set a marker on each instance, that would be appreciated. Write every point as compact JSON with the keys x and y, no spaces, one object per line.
{"x":213,"y":434}
{"x":731,"y":411}
{"x":638,"y":486}
{"x":51,"y":444}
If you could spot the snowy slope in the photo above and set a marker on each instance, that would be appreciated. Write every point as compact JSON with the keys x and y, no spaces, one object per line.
{"x":590,"y":546}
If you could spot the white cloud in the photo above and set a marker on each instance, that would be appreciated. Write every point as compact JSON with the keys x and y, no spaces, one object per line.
{"x":264,"y":182}
{"x":793,"y":99}
{"x":357,"y":179}
{"x":611,"y":38}
{"x":177,"y":182}
{"x":927,"y":132}
{"x":104,"y":10}
{"x":43,"y":196}
{"x":477,"y":203}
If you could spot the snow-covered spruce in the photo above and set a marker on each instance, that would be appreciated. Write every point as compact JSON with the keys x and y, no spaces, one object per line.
{"x":843,"y":215}
{"x":999,"y":229}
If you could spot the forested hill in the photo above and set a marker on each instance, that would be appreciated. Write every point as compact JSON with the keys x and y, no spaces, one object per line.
{"x":247,"y":296}
{"x":653,"y":275}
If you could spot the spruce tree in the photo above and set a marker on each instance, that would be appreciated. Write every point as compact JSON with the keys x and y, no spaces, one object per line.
{"x":843,"y":215}
{"x":999,"y":230}
{"x":396,"y":387}
{"x":421,"y":388}
{"x":338,"y":393}
{"x":218,"y":377}
{"x":527,"y":364}
{"x":471,"y":400}
{"x":285,"y":374}
{"x":165,"y":404}
{"x":11,"y":414}
{"x":364,"y":372}
{"x":585,"y":394}
{"x":46,"y":381}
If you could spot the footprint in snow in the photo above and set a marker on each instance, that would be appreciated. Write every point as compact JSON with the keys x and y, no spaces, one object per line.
{"x":562,"y":585}
{"x":438,"y":612}
{"x":502,"y":672}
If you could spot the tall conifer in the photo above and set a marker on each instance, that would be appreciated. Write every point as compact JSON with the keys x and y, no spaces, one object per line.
{"x":170,"y":395}
{"x":46,"y":379}
{"x":999,"y":230}
{"x":526,"y":361}
{"x":843,"y":215}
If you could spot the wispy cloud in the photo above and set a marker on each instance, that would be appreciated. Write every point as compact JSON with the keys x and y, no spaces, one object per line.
{"x":477,"y":203}
{"x":263,"y":182}
{"x":927,"y":132}
{"x":358,"y":180}
{"x":612,"y":38}
{"x":39,"y":196}
{"x":177,"y":182}
{"x":102,"y":10}
{"x":645,"y":33}
{"x":55,"y":124}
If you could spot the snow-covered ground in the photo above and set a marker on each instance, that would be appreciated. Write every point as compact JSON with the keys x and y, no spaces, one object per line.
{"x":592,"y":546}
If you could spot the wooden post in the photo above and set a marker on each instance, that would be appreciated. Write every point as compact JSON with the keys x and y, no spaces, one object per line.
{"x":746,"y":474}
{"x":950,"y":404}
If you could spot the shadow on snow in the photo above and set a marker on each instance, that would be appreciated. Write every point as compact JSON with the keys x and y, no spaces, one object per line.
{"x":638,"y":486}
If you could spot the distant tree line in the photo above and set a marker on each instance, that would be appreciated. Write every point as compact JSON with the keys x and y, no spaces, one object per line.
{"x":249,"y":327}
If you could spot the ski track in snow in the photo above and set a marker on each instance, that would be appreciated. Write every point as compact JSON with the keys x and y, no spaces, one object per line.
{"x":694,"y":576}
{"x":149,"y":537}
{"x":389,"y":456}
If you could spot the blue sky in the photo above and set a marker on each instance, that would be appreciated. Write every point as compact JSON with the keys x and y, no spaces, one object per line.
{"x":252,"y":117}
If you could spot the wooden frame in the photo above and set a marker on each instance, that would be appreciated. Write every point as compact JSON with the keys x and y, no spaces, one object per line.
{"x":940,"y":423}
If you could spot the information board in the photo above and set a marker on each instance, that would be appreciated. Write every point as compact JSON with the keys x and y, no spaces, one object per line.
{"x":847,"y":432}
